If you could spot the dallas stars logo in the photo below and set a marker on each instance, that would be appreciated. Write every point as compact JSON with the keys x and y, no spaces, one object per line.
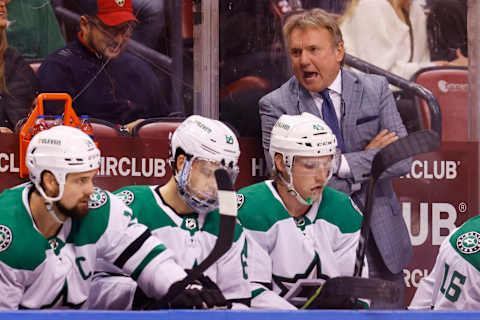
{"x":190,"y":223}
{"x":469,"y":242}
{"x":97,"y":199}
{"x":127,"y":197}
{"x":5,"y":237}
{"x":240,"y":200}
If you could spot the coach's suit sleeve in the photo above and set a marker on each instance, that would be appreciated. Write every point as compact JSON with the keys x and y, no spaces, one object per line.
{"x":270,"y":109}
{"x":360,"y":162}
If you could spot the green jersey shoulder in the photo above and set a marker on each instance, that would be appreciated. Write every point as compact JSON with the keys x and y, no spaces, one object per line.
{"x":260,"y":208}
{"x":466,"y":241}
{"x":148,"y":209}
{"x":22,"y":246}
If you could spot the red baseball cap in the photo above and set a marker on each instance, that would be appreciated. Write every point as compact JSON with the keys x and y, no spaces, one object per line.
{"x":110,"y":12}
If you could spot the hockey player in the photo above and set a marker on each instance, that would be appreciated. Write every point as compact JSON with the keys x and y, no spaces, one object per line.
{"x":54,"y":228}
{"x":452,"y":284}
{"x":309,"y":230}
{"x":183,"y":212}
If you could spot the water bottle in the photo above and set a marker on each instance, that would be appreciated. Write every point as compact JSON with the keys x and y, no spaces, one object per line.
{"x":58,"y":121}
{"x":86,"y":126}
{"x":40,"y":125}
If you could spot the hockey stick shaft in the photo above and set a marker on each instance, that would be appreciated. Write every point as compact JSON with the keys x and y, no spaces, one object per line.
{"x":228,"y":212}
{"x":404,"y":148}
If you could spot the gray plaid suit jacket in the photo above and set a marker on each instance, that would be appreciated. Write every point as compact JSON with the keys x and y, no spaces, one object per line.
{"x":367,"y":108}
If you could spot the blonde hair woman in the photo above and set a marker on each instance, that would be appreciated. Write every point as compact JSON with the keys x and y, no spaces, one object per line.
{"x":391,"y":34}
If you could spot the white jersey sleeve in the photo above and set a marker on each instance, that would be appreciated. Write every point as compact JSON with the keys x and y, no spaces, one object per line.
{"x":231,"y":270}
{"x":130,"y":247}
{"x":10,"y":287}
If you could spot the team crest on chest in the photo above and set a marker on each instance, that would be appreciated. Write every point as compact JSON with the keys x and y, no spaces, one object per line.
{"x":5,"y":237}
{"x":469,"y":242}
{"x":127,"y":197}
{"x":299,"y":221}
{"x":53,"y":243}
{"x":97,"y":199}
{"x":190,"y":223}
{"x":240,"y":200}
{"x":120,"y":3}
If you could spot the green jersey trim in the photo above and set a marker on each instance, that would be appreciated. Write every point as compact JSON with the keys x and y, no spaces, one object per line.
{"x":16,"y":222}
{"x":466,"y":241}
{"x":337,"y":208}
{"x":260,"y":209}
{"x":144,"y":207}
{"x":93,"y":226}
{"x":155,"y":252}
{"x":257,"y":292}
{"x":149,"y":212}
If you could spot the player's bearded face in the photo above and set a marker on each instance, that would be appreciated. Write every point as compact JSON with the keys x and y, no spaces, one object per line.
{"x":77,"y":191}
{"x":77,"y":212}
{"x":310,"y":174}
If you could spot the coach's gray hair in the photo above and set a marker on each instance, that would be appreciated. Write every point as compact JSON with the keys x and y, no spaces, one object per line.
{"x":314,"y":18}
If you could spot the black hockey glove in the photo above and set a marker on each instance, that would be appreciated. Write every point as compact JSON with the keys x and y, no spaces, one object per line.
{"x":203,"y":293}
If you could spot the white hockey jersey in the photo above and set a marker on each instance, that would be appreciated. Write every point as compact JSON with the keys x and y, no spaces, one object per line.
{"x":37,"y":273}
{"x":320,"y":244}
{"x":452,"y":284}
{"x":192,"y":238}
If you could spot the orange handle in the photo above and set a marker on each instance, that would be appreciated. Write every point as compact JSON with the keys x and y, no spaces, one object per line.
{"x":69,"y":119}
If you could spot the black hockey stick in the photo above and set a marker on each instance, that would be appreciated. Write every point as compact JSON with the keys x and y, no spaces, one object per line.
{"x":415,"y":143}
{"x":227,"y":199}
{"x":337,"y":293}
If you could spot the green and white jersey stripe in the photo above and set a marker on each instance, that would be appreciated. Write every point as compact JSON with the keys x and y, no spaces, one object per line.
{"x":321,"y":244}
{"x":192,"y":237}
{"x":41,"y":273}
{"x":452,"y":284}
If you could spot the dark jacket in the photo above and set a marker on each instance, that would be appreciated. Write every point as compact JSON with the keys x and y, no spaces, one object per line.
{"x":22,"y":85}
{"x":125,"y":90}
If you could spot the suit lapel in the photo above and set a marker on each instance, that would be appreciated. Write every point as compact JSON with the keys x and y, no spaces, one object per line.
{"x":351,"y":94}
{"x":305,"y":100}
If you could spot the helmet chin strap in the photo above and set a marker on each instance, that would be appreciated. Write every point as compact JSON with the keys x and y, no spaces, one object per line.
{"x":291,"y":188}
{"x":49,"y":206}
{"x":50,"y":200}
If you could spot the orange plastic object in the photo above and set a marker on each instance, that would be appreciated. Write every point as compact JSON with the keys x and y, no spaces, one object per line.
{"x":70,"y":118}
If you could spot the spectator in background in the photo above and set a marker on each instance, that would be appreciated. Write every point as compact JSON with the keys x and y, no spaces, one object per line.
{"x":151,"y":23}
{"x":447,"y":30}
{"x":391,"y":34}
{"x":33,"y":28}
{"x":18,"y":84}
{"x":361,"y":111}
{"x":105,"y":81}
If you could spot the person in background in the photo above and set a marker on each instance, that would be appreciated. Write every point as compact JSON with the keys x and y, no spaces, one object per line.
{"x":105,"y":81}
{"x":361,"y":112}
{"x":391,"y":34}
{"x":447,"y":30}
{"x":150,"y":30}
{"x":33,"y":28}
{"x":18,"y":83}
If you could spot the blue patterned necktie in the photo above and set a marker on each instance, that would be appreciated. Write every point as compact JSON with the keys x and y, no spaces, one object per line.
{"x":330,"y":118}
